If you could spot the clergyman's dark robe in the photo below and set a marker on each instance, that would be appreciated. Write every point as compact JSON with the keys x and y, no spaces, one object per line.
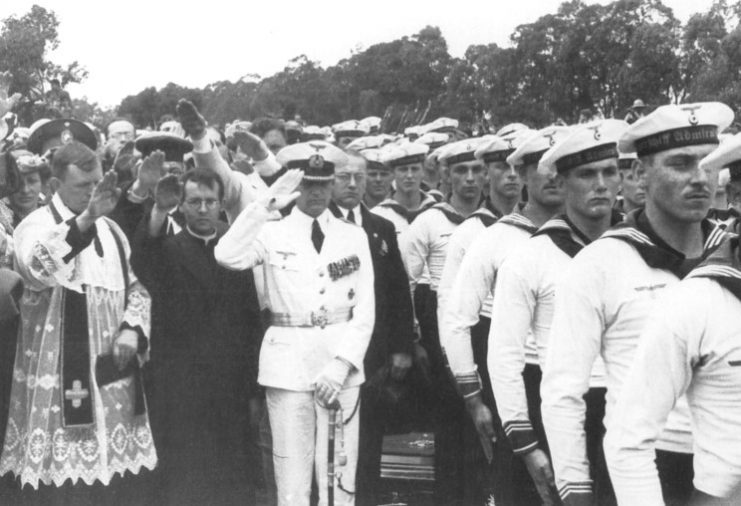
{"x":204,"y":367}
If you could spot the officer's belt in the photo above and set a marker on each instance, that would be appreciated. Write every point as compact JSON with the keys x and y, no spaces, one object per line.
{"x":320,"y":318}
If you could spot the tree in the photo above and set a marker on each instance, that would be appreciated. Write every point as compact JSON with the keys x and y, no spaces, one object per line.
{"x":25,"y":43}
{"x":149,"y":105}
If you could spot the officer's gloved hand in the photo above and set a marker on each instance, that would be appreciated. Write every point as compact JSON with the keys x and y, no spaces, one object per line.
{"x":282,"y":192}
{"x":330,"y":380}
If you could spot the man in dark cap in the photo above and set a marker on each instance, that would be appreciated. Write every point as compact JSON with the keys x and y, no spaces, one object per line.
{"x":162,"y":153}
{"x":47,"y":134}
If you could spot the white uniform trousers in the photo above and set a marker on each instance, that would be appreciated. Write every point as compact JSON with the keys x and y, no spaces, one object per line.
{"x":300,"y":432}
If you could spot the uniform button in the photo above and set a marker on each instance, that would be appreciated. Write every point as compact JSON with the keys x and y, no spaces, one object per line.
{"x":321,"y":291}
{"x":321,"y":274}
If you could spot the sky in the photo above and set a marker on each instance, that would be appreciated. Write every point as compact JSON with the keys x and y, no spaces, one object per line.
{"x":129,"y":45}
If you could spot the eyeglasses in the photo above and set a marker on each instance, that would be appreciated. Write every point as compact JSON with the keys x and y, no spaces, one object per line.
{"x":345,"y":177}
{"x":197,"y":203}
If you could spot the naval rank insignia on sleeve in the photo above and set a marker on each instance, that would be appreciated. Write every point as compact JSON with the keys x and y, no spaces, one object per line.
{"x":343,"y":267}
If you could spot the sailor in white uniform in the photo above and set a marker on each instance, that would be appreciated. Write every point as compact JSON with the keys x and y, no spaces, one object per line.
{"x":472,"y":287}
{"x":691,"y":345}
{"x":608,"y":291}
{"x":527,"y":281}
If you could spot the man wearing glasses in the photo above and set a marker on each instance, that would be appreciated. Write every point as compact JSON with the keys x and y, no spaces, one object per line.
{"x":390,"y":348}
{"x":205,"y":358}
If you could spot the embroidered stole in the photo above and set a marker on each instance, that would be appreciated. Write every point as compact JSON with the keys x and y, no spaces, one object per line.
{"x":77,"y":392}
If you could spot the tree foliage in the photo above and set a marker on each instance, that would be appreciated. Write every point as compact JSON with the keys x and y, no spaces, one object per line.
{"x":25,"y":43}
{"x":593,"y":56}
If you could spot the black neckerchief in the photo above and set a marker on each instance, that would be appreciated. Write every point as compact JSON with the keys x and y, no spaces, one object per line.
{"x":564,"y":234}
{"x":519,"y":220}
{"x":723,"y":266}
{"x":567,"y":236}
{"x":450,"y":212}
{"x":408,"y":215}
{"x":488,"y":213}
{"x":638,"y":232}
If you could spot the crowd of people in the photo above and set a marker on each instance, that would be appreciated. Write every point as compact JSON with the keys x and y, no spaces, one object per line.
{"x":191,"y":314}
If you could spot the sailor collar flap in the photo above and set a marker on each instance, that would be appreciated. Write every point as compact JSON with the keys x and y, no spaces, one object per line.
{"x":638,"y":232}
{"x":723,"y":266}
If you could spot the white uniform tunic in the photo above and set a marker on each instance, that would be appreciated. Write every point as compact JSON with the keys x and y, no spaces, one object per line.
{"x":460,"y":241}
{"x":474,"y":282}
{"x":605,"y":298}
{"x":399,"y":215}
{"x":298,"y":282}
{"x":425,"y":244}
{"x":527,"y":281}
{"x":403,"y":218}
{"x":691,"y":344}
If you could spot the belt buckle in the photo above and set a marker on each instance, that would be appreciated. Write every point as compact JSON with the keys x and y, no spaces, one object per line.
{"x":320,"y":318}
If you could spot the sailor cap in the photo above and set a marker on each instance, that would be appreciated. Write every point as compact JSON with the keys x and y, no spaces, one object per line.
{"x":587,"y":143}
{"x":675,"y":126}
{"x":533,"y":148}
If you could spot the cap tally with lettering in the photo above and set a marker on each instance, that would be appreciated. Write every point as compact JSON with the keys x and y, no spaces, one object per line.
{"x":406,"y":154}
{"x":500,"y":147}
{"x":587,"y":143}
{"x":533,"y":148}
{"x":676,"y":126}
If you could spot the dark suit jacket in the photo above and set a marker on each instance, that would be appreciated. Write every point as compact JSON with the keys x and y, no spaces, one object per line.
{"x":394,"y":328}
{"x":201,"y":311}
{"x":206,"y":330}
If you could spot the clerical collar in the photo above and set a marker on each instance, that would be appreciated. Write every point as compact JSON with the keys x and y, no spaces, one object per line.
{"x":205,"y":238}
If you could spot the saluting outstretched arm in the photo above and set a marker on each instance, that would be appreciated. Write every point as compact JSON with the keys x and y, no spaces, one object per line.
{"x":241,"y":247}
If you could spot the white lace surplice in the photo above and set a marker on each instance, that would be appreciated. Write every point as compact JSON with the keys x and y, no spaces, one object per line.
{"x":38,"y":448}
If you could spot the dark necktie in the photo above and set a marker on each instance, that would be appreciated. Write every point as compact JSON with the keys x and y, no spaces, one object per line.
{"x":351,"y":216}
{"x":317,"y":236}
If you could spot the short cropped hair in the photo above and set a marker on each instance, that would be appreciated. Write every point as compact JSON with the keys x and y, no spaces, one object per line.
{"x":75,"y":153}
{"x":206,"y":177}
{"x":262,"y":126}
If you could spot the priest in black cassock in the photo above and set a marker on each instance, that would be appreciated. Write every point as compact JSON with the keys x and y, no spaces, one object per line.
{"x":204,"y":364}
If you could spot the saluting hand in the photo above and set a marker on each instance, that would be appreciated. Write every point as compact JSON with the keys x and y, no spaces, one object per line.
{"x":126,"y":159}
{"x":282,"y":192}
{"x":168,"y":192}
{"x":105,"y":196}
{"x":151,"y":171}
{"x":190,"y":119}
{"x":250,"y":144}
